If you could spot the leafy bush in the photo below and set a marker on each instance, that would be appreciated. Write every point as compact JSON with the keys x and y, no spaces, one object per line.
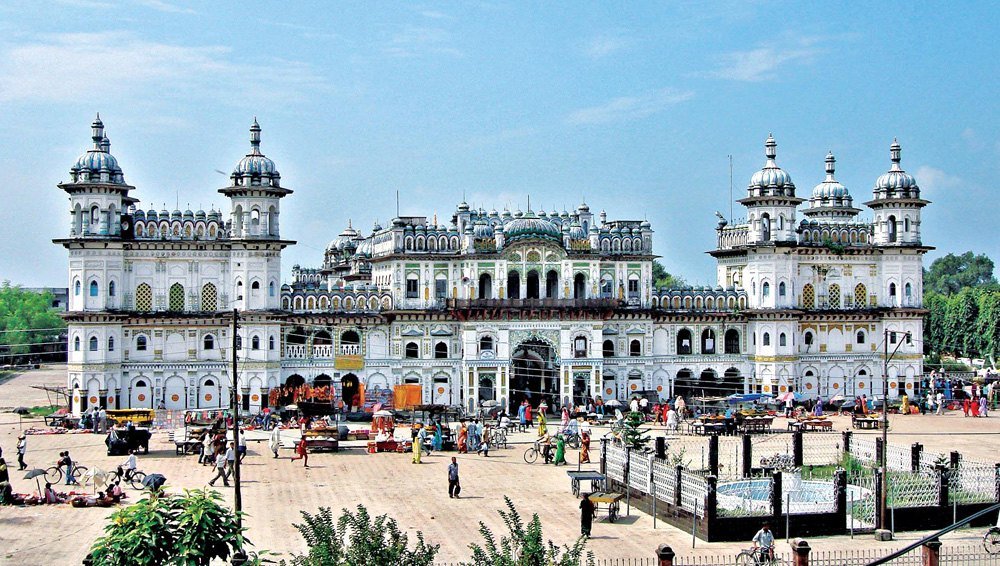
{"x":192,"y":529}
{"x":368,"y":541}
{"x":525,"y":546}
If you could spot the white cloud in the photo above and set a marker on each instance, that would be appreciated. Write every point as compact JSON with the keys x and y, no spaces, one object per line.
{"x":604,"y":45}
{"x":162,"y":6}
{"x":933,"y":179}
{"x":759,"y":64}
{"x":47,"y":68}
{"x":417,"y":41}
{"x":435,"y":15}
{"x":629,"y":107}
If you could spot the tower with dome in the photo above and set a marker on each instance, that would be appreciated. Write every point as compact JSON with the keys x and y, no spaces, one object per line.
{"x":479,"y":306}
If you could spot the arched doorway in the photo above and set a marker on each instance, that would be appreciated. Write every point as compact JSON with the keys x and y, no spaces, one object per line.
{"x":551,"y":284}
{"x":708,"y":383}
{"x":579,"y":286}
{"x":174,"y":398}
{"x":535,"y":374}
{"x":533,"y":285}
{"x":486,"y":390}
{"x":350,"y":392}
{"x":732,"y":382}
{"x":485,"y":286}
{"x":210,"y":394}
{"x":513,"y":285}
{"x":286,"y":395}
{"x":322,"y":380}
{"x":139,"y":394}
{"x":684,"y":384}
{"x":350,"y":343}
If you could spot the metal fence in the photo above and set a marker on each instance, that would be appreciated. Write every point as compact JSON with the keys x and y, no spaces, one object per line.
{"x":745,"y":497}
{"x":913,"y":490}
{"x":821,"y":449}
{"x":863,"y":450}
{"x":972,"y":482}
{"x":638,"y":472}
{"x":664,"y":480}
{"x":693,"y":493}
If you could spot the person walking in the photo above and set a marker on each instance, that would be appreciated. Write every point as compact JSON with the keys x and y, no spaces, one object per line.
{"x":463,"y":439}
{"x":484,"y":446}
{"x":67,"y":461}
{"x":231,"y":459}
{"x":274,"y":443}
{"x":587,"y":512}
{"x":418,"y":447}
{"x":438,"y":437}
{"x":528,"y":418}
{"x":22,"y":449}
{"x":940,"y":403}
{"x":560,"y":450}
{"x":983,"y":407}
{"x":454,"y":488}
{"x":301,"y":452}
{"x":241,"y":447}
{"x":220,"y":469}
{"x":585,"y":446}
{"x":102,"y":417}
{"x":207,"y":450}
{"x":521,"y":414}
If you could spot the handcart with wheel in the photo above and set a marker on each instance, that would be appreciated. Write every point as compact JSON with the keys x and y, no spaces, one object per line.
{"x":598,"y":481}
{"x":611,"y":502}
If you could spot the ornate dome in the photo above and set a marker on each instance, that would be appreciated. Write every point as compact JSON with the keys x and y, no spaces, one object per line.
{"x":256,"y":168}
{"x":771,"y":179}
{"x":482,"y":229}
{"x":830,"y":192}
{"x":346,"y":239}
{"x":530,"y":226}
{"x":896,"y":183}
{"x":576,"y":231}
{"x":97,"y":165}
{"x":364,"y":248}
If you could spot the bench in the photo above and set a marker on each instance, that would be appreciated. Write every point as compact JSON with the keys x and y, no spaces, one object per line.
{"x":866,"y":423}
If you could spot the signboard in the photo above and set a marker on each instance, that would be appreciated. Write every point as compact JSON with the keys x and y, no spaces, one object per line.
{"x":349,"y":362}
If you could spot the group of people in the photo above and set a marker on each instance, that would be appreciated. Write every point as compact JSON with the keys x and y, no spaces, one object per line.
{"x":475,"y":436}
{"x":96,"y":419}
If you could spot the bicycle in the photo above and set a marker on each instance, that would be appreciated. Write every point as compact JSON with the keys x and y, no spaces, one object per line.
{"x":55,"y":474}
{"x":991,"y":540}
{"x":499,"y":439}
{"x":135,"y":478}
{"x":531,"y":454}
{"x":756,"y":557}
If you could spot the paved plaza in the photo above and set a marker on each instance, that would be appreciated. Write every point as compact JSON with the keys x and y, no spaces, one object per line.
{"x":274,"y":491}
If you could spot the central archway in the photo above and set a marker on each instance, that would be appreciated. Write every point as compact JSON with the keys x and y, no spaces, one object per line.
{"x":535,"y":373}
{"x":350,"y":392}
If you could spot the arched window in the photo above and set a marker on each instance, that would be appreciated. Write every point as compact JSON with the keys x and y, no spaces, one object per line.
{"x":860,"y":295}
{"x":908,"y":293}
{"x":239,"y":342}
{"x":93,"y":288}
{"x":111,"y":343}
{"x":239,"y":290}
{"x":861,"y":337}
{"x":765,"y":290}
{"x":111,"y":289}
{"x":781,"y":289}
{"x":140,"y":343}
{"x":176,"y":297}
{"x":834,"y":297}
{"x":708,"y":341}
{"x":255,"y":343}
{"x":485,"y":286}
{"x":635,"y":348}
{"x":513,"y":285}
{"x":254,"y":288}
{"x":892,"y":294}
{"x":767,"y":339}
{"x":609,"y":348}
{"x":76,"y":344}
{"x":270,"y":289}
{"x":208,"y":342}
{"x":440,"y":349}
{"x":891,"y":229}
{"x":76,"y":288}
{"x":579,"y":286}
{"x":412,"y":350}
{"x":486,"y":344}
{"x":765,"y":227}
{"x":144,"y":298}
{"x":808,"y":339}
{"x":93,"y":343}
{"x":732,"y":341}
{"x":782,"y":340}
{"x":209,"y":297}
{"x":580,"y":347}
{"x":270,"y":343}
{"x":551,"y":284}
{"x":808,"y":296}
{"x":684,"y":342}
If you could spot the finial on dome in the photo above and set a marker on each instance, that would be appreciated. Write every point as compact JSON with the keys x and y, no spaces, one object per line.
{"x":105,"y":144}
{"x":97,"y":131}
{"x":255,"y":136}
{"x":895,"y":151}
{"x":770,"y":146}
{"x":830,"y":165}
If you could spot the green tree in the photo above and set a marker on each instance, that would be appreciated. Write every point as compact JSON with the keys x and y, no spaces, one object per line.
{"x":26,"y":317}
{"x":632,"y":433}
{"x":525,"y":545}
{"x":952,"y":273}
{"x":193,"y":530}
{"x":355,"y":539}
{"x":663,"y":279}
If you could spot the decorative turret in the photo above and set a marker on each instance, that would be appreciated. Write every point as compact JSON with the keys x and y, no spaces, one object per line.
{"x":897,"y":204}
{"x":830,"y":200}
{"x":255,"y":193}
{"x":771,"y":201}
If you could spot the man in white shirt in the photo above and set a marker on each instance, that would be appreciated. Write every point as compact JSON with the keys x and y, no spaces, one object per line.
{"x":634,"y":405}
{"x":940,"y":403}
{"x":128,"y":466}
{"x":764,"y":540}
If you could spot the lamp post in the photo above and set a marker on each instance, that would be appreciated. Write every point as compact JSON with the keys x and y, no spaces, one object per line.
{"x":887,"y":357}
{"x":235,"y":401}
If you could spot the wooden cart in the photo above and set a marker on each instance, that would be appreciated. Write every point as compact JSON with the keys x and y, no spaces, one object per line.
{"x":598,"y":481}
{"x":611,"y":502}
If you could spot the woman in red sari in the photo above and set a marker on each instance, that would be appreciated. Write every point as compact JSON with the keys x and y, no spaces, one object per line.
{"x":463,"y":439}
{"x":301,"y":452}
{"x":585,"y":446}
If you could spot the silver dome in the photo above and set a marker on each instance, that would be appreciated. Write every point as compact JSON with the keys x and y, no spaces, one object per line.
{"x":97,"y":165}
{"x":771,"y":179}
{"x":896,"y":182}
{"x":255,"y":167}
{"x":830,"y":192}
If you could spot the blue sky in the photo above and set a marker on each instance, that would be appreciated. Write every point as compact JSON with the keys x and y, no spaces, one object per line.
{"x":633,"y":106}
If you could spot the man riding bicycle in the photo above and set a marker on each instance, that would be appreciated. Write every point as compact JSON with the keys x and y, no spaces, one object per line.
{"x":763,"y":543}
{"x":127,"y":468}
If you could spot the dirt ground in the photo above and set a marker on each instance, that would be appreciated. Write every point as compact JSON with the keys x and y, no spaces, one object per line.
{"x":275,"y":491}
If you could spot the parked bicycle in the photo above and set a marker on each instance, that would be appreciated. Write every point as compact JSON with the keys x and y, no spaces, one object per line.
{"x":779,"y":462}
{"x":532,"y":453}
{"x":991,"y":540}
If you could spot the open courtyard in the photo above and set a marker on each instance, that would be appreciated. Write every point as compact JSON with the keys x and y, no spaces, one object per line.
{"x":276,"y":490}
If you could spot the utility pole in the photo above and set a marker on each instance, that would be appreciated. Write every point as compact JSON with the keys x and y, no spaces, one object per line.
{"x":234,"y":399}
{"x":884,"y":495}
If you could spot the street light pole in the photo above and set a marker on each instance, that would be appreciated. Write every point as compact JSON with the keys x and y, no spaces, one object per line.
{"x":887,"y":357}
{"x":234,"y":397}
